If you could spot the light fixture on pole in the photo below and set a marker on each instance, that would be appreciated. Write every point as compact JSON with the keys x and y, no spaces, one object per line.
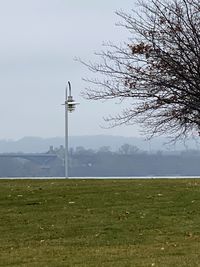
{"x":70,"y":106}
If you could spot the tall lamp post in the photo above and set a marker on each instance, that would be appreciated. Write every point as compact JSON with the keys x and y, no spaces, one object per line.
{"x":70,"y":106}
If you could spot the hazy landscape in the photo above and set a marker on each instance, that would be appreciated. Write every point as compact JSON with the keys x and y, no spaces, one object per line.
{"x":82,"y":185}
{"x":38,"y":144}
{"x":99,"y":156}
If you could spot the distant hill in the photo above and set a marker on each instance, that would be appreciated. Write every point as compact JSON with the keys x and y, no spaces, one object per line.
{"x":38,"y":144}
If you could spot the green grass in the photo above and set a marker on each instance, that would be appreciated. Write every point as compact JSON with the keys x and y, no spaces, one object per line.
{"x":52,"y":223}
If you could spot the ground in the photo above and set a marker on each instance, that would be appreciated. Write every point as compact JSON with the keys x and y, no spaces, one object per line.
{"x":138,"y":222}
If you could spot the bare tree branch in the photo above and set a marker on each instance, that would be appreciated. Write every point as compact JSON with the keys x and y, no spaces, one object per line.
{"x":159,"y":70}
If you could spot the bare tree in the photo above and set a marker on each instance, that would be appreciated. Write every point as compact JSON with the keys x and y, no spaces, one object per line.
{"x":158,"y":70}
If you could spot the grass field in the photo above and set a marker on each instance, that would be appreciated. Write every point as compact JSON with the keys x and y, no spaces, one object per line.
{"x":52,"y":223}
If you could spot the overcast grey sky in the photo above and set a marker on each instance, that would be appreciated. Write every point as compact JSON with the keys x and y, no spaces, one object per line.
{"x":39,"y":41}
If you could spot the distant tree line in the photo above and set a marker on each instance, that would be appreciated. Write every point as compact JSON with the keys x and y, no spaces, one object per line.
{"x":128,"y":160}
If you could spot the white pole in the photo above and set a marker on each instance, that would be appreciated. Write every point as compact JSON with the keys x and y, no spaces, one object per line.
{"x":66,"y":134}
